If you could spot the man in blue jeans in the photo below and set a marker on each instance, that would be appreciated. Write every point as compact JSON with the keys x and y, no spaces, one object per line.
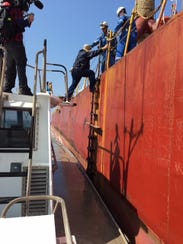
{"x":81,"y":68}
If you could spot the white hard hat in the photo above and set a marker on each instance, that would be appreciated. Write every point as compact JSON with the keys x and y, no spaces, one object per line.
{"x":86,"y":47}
{"x":120,"y":9}
{"x":104,"y":24}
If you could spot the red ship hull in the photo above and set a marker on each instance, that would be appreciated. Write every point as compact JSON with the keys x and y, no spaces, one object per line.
{"x":139,"y":156}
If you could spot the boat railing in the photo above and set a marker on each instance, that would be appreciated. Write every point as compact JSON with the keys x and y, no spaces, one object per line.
{"x":55,"y":164}
{"x":57,"y":202}
{"x":64,"y":72}
{"x":3,"y":55}
{"x":62,"y":69}
{"x":43,"y":82}
{"x":163,"y":5}
{"x":43,"y":89}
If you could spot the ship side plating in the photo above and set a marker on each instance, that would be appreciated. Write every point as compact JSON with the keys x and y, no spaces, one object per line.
{"x":138,"y":164}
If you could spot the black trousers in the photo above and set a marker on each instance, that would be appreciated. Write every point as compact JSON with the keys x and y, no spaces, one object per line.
{"x":77,"y":74}
{"x":16,"y":64}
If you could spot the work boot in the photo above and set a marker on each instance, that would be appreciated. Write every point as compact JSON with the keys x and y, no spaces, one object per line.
{"x":92,"y":89}
{"x":25,"y":91}
{"x":7,"y":90}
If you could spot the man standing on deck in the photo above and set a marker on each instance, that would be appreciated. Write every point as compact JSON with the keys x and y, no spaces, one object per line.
{"x":81,"y":68}
{"x":16,"y":55}
{"x":122,"y":30}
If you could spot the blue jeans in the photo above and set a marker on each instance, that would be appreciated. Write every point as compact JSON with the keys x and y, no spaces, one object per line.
{"x":122,"y":43}
{"x":103,"y":60}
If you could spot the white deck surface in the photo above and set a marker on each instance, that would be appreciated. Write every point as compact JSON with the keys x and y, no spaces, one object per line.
{"x":29,"y":230}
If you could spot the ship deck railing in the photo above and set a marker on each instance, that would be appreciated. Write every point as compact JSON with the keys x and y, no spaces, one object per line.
{"x":34,"y":229}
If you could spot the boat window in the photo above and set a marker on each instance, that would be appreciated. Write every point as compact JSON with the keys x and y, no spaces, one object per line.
{"x":15,"y":128}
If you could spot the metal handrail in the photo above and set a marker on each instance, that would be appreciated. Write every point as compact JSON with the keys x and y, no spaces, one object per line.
{"x":55,"y":164}
{"x":58,"y":200}
{"x":129,"y":31}
{"x":65,"y":76}
{"x":161,"y":13}
{"x":65,"y":73}
{"x":43,"y":88}
{"x":3,"y":63}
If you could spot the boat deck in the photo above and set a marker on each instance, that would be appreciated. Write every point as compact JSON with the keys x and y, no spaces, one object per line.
{"x":89,"y":220}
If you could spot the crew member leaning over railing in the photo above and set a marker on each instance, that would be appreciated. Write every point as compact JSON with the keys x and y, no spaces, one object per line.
{"x":121,"y":30}
{"x":101,"y":41}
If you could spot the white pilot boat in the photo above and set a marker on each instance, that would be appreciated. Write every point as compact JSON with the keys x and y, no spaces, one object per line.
{"x":27,"y":204}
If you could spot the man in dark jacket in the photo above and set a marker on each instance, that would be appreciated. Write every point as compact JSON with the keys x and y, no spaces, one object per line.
{"x":81,"y":68}
{"x":16,"y":55}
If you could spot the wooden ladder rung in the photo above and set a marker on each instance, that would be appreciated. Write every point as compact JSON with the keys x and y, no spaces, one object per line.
{"x":95,"y":126}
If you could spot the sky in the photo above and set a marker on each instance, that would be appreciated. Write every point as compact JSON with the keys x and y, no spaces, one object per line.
{"x":67,"y":26}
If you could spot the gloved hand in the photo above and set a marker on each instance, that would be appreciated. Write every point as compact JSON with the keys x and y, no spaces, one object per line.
{"x":104,"y":47}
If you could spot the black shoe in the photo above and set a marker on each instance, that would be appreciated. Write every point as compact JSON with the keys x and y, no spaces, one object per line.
{"x":92,"y":89}
{"x":67,"y":99}
{"x":7,"y":90}
{"x":25,"y":91}
{"x":97,"y":80}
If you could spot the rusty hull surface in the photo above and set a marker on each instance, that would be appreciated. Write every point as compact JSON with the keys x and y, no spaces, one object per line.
{"x":140,"y":152}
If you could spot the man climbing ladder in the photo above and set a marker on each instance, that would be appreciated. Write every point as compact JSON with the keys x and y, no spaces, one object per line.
{"x":81,"y":68}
